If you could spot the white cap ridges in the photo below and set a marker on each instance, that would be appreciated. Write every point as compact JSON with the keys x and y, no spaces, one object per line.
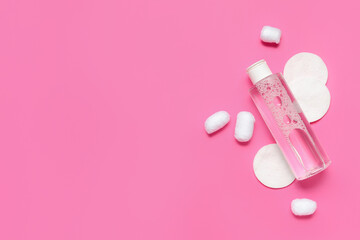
{"x":258,"y":71}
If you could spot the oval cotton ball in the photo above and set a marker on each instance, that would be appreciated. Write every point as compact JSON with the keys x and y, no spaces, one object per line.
{"x":303,"y":207}
{"x":270,"y":34}
{"x":271,"y":167}
{"x":305,"y":64}
{"x":216,"y":121}
{"x":244,"y":126}
{"x":312,"y":96}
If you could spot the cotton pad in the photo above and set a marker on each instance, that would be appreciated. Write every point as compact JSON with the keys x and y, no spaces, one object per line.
{"x":303,"y":207}
{"x":244,"y":126}
{"x":305,"y":65}
{"x":312,"y":96}
{"x":271,"y":168}
{"x":270,"y":34}
{"x":216,"y":121}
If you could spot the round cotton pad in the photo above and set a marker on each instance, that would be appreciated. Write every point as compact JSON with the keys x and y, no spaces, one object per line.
{"x":312,"y":96}
{"x":271,"y":168}
{"x":305,"y":65}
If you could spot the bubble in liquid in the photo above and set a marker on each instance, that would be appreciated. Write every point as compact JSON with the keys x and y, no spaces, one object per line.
{"x":277,"y":101}
{"x":286,"y":119}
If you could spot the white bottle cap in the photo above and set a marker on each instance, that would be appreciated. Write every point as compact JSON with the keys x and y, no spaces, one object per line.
{"x":258,"y":71}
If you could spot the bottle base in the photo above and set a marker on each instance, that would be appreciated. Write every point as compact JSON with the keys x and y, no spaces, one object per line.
{"x":314,"y":172}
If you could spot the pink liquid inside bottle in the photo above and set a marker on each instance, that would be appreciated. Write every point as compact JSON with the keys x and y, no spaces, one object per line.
{"x":286,"y":122}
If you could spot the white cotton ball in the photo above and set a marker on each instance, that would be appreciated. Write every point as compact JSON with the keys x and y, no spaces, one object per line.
{"x":216,"y":121}
{"x":244,"y":126}
{"x":303,"y":207}
{"x":270,"y":34}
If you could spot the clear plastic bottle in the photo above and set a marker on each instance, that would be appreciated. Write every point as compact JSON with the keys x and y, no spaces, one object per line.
{"x":286,"y":122}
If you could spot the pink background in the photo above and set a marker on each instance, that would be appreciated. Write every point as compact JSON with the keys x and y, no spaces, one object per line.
{"x":103,"y":102}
